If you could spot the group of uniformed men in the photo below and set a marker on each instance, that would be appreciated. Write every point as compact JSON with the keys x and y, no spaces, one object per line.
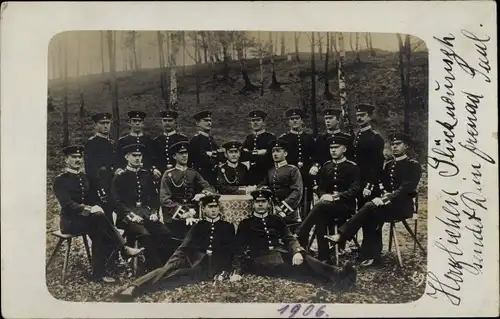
{"x":139,"y":175}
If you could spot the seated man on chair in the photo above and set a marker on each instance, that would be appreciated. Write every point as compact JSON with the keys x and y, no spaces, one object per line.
{"x":400,"y":179}
{"x":285,"y":181}
{"x":338,"y":185}
{"x":180,"y":189}
{"x":79,"y":215}
{"x":207,"y":250}
{"x":265,"y":245}
{"x":231,"y":175}
{"x":137,"y":205}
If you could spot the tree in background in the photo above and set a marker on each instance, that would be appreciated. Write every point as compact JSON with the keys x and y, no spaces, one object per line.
{"x":274,"y":85}
{"x":358,"y":58}
{"x":240,"y":38}
{"x":102,"y":51}
{"x":369,"y":45}
{"x":404,"y":72}
{"x":63,"y":47}
{"x":327,"y":94}
{"x":320,"y":46}
{"x":163,"y":77}
{"x":115,"y":128}
{"x":314,"y":119}
{"x":130,"y":44}
{"x":283,"y":49}
{"x":296,"y":36}
{"x":175,"y":46}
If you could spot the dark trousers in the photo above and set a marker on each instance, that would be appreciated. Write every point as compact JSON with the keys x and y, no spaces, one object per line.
{"x":321,"y":216}
{"x":153,"y":236}
{"x":371,"y":219}
{"x":275,"y":263}
{"x":102,"y":234}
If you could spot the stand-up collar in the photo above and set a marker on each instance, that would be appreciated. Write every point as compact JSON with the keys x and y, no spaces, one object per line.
{"x":400,"y":158}
{"x":260,"y":215}
{"x":130,"y":168}
{"x":136,"y":134}
{"x":343,"y":159}
{"x":101,"y":135}
{"x":170,"y":133}
{"x":280,"y":164}
{"x":212,"y":220}
{"x":337,"y":131}
{"x":233,"y":165}
{"x":366,"y":128}
{"x":180,"y":168}
{"x":73,"y":171}
{"x":257,"y":133}
{"x":204,"y":133}
{"x":296,"y":132}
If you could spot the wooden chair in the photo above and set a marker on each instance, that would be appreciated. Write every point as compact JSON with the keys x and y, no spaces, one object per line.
{"x":68,"y":239}
{"x":413,"y":233}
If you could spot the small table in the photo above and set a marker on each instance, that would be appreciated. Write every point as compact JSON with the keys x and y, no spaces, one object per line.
{"x":235,"y":208}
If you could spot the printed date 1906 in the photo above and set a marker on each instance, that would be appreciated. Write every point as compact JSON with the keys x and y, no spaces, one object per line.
{"x":308,"y":312}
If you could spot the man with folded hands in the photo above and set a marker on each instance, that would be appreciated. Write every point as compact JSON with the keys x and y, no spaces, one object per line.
{"x":265,"y":245}
{"x":206,"y":251}
{"x":81,"y":214}
{"x":180,"y":189}
{"x":137,"y":205}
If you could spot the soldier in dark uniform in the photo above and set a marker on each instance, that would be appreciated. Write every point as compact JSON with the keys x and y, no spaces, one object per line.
{"x":338,"y":187}
{"x":301,"y":153}
{"x":100,"y":162}
{"x":180,"y":189}
{"x":204,"y":152}
{"x":206,"y":251}
{"x":399,"y":181}
{"x":162,"y":158}
{"x":137,"y":136}
{"x":231,"y":175}
{"x":255,"y":148}
{"x":80,"y":213}
{"x":137,"y":206}
{"x":271,"y":246}
{"x":368,"y":152}
{"x":285,"y":181}
{"x":322,"y":146}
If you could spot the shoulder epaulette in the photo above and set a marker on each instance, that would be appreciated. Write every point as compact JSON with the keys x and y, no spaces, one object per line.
{"x":353,"y":163}
{"x":182,"y":134}
{"x":282,"y":135}
{"x":293,"y":166}
{"x":327,"y":162}
{"x":92,"y":137}
{"x":119,"y":171}
{"x":169,"y":170}
{"x":375,"y":132}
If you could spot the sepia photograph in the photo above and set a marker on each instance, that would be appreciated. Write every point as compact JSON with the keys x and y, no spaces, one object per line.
{"x":236,"y":166}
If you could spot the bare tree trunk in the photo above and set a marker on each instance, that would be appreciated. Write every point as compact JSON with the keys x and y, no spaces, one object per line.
{"x":183,"y":53}
{"x":134,"y":52}
{"x":205,"y":46}
{"x":139,"y":50}
{"x":367,"y":41}
{"x":320,"y":49}
{"x":248,"y":86}
{"x":65,"y":114}
{"x":372,"y":51}
{"x":198,"y":61}
{"x":404,"y":71}
{"x":350,"y":42}
{"x":211,"y":52}
{"x":346,"y":121}
{"x":123,"y":52}
{"x":161,"y":57}
{"x":102,"y":51}
{"x":358,"y":58}
{"x":115,"y":129}
{"x":328,"y":95}
{"x":314,"y":120}
{"x":275,"y":85}
{"x":296,"y":43}
{"x":283,"y":43}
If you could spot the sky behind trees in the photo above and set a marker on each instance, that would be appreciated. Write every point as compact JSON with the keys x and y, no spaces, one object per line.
{"x":84,"y":48}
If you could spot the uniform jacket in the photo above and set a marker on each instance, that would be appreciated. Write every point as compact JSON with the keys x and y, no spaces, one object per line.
{"x":72,"y":192}
{"x":199,"y":144}
{"x":369,"y":155}
{"x":100,"y":165}
{"x":205,"y":238}
{"x":285,"y":180}
{"x":400,"y":179}
{"x":161,"y":157}
{"x":135,"y":191}
{"x":259,"y":234}
{"x":229,"y":178}
{"x":178,"y":187}
{"x":259,"y":164}
{"x":342,"y":177}
{"x":301,"y":148}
